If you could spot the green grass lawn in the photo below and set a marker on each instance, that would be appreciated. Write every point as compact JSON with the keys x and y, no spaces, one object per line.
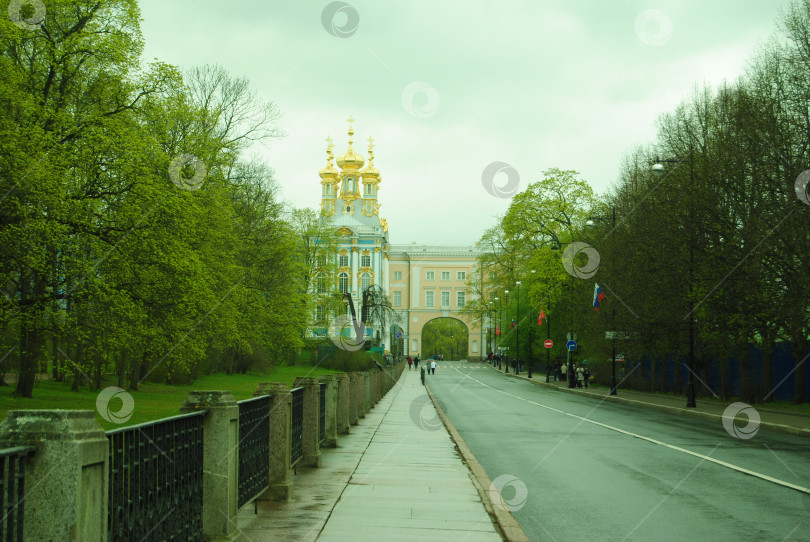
{"x":151,"y":401}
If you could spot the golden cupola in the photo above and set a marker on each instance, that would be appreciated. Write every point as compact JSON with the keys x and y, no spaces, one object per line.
{"x":350,"y":160}
{"x":329,"y":173}
{"x":370,"y":172}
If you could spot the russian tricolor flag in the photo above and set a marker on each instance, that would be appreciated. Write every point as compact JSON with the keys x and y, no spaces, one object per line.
{"x":598,"y":296}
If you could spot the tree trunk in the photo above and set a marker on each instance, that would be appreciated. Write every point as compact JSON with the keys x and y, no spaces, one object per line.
{"x":32,"y":288}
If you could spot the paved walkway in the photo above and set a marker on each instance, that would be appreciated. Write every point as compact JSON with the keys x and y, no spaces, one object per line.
{"x":775,"y":420}
{"x":395,"y":476}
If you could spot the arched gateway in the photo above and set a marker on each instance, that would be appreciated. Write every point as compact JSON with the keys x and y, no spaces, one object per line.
{"x":428,"y":282}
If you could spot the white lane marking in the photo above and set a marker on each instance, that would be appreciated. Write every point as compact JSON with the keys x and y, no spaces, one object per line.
{"x":653,"y":441}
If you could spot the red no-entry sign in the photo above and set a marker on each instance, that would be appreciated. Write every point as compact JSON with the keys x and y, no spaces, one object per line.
{"x":549,"y":343}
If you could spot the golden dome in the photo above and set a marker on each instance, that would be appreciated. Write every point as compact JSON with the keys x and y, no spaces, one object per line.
{"x":329,"y":171}
{"x":350,"y":159}
{"x":370,"y":171}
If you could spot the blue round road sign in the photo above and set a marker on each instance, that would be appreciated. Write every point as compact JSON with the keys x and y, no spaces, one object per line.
{"x":571,"y":345}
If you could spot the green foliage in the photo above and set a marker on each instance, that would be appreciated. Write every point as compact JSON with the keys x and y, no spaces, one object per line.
{"x":111,"y":264}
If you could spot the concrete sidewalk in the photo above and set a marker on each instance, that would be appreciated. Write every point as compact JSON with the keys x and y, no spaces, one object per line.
{"x":396,"y":476}
{"x":713,"y":409}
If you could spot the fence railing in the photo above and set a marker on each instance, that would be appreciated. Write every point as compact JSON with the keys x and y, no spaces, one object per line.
{"x":297,"y":426}
{"x":322,"y":412}
{"x":178,"y":478}
{"x":156,"y":480}
{"x":254,"y":448}
{"x":12,"y":492}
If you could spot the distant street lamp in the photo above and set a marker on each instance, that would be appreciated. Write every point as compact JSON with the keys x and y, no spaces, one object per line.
{"x":530,"y":339}
{"x":659,"y":169}
{"x":498,"y":330}
{"x":612,"y":220}
{"x":517,"y":332}
{"x":506,"y":368}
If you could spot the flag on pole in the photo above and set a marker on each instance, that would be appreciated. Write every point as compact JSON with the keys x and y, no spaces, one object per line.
{"x":540,"y":318}
{"x":513,"y":323}
{"x":497,"y":330}
{"x":598,"y":296}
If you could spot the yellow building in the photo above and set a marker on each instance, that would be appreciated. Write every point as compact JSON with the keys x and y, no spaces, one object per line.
{"x":428,"y":282}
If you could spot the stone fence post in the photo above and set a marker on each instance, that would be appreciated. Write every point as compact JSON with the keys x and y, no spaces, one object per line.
{"x":220,"y":461}
{"x":311,"y":446}
{"x":343,"y":403}
{"x":280,"y":420}
{"x":330,"y":430}
{"x":366,"y":404}
{"x":356,"y":398}
{"x":66,"y":493}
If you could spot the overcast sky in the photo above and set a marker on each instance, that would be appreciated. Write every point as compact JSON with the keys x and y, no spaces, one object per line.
{"x":449,"y":87}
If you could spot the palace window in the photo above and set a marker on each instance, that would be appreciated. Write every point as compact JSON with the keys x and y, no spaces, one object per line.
{"x":365,"y":281}
{"x":430,"y":275}
{"x":397,"y":299}
{"x":343,"y":283}
{"x":461,"y":275}
{"x":445,"y":300}
{"x":320,"y":313}
{"x":445,"y":275}
{"x":320,"y":284}
{"x":397,"y":275}
{"x":461,"y":299}
{"x":429,"y":299}
{"x":343,"y":260}
{"x":365,"y":260}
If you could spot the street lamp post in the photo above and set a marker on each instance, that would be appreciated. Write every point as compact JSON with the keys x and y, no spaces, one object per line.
{"x":517,"y":330}
{"x":506,"y":367}
{"x":659,"y":169}
{"x":590,"y":222}
{"x":530,"y":339}
{"x":498,"y":330}
{"x":548,"y":336}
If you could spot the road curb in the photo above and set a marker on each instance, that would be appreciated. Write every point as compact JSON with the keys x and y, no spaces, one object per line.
{"x":510,"y":529}
{"x":789,"y":429}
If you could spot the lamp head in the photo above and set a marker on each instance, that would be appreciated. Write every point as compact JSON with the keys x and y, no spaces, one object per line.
{"x":658,"y":168}
{"x":590,"y":222}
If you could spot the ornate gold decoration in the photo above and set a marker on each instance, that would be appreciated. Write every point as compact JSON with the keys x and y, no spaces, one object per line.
{"x":384,"y":224}
{"x":344,"y":231}
{"x":350,"y":160}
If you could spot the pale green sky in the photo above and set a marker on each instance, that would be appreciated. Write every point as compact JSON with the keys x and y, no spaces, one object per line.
{"x":448,"y":87}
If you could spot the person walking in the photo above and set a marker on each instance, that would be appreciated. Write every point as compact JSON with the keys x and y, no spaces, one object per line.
{"x":433,"y":367}
{"x":416,"y":362}
{"x":586,"y":374}
{"x":579,"y":376}
{"x":410,"y":362}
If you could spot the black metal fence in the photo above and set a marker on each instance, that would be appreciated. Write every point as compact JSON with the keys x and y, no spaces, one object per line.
{"x":156,"y":480}
{"x":12,"y":492}
{"x":254,"y":448}
{"x":322,"y":413}
{"x":297,"y":433}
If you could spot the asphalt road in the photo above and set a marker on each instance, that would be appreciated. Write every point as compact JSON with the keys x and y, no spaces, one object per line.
{"x":575,"y":468}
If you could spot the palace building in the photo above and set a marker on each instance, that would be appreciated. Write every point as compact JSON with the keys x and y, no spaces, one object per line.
{"x":365,"y":260}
